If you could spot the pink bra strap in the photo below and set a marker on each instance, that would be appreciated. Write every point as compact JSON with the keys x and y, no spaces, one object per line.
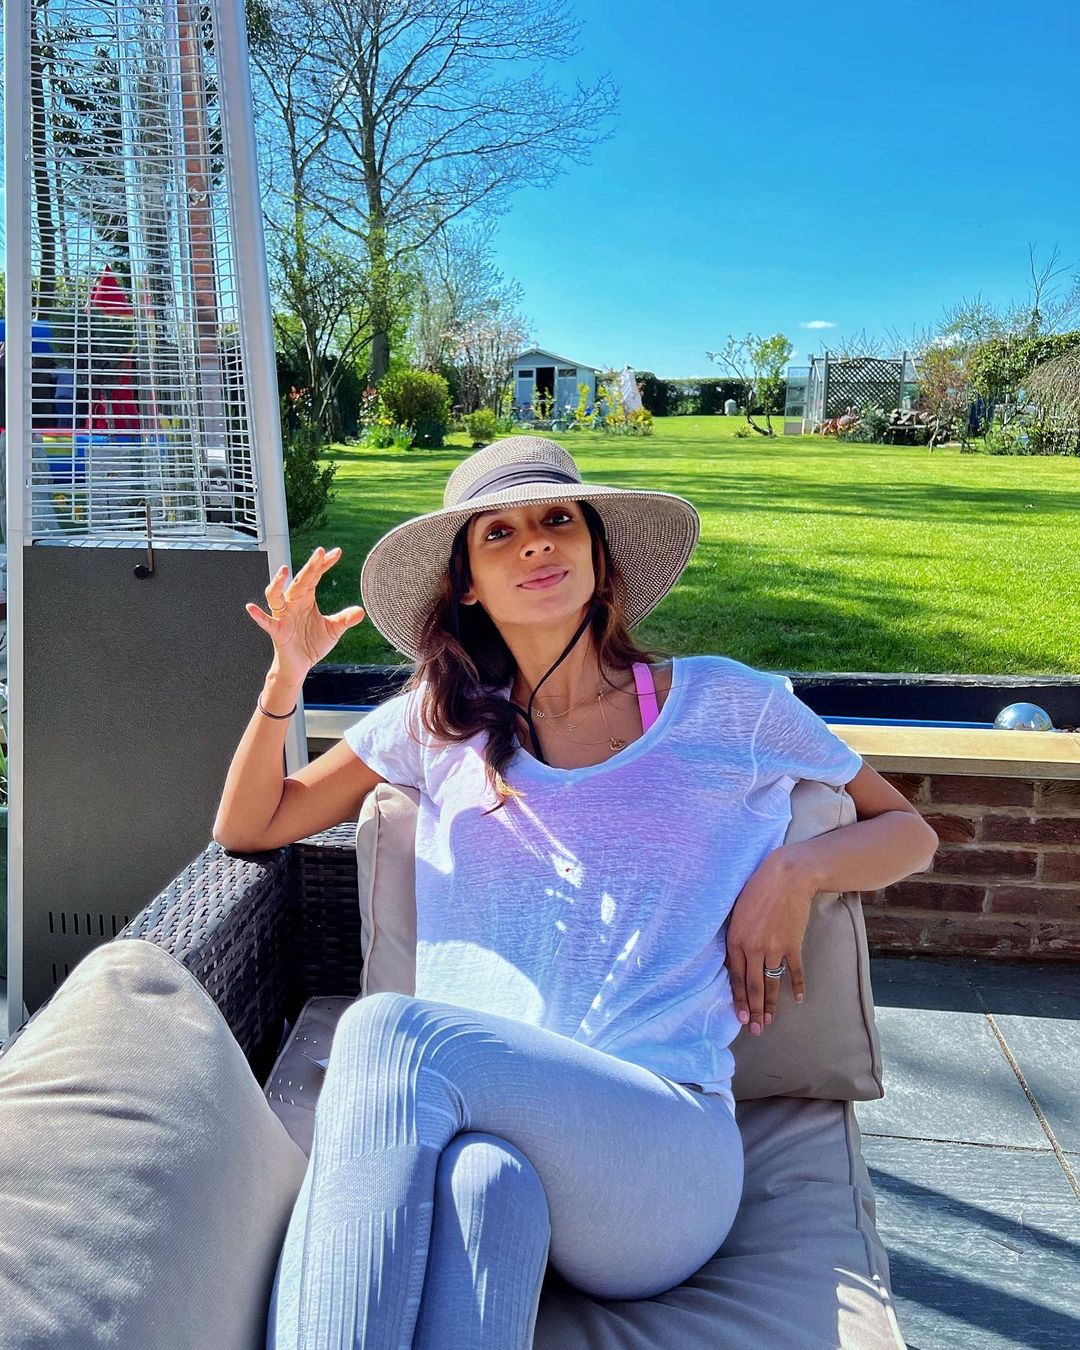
{"x":646,"y":692}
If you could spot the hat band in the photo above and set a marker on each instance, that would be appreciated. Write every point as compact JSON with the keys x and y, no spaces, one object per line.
{"x":516,"y":476}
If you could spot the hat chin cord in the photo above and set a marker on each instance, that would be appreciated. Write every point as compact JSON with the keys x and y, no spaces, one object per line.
{"x":527,"y":712}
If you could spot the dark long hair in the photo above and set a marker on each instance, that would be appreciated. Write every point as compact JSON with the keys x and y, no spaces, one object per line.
{"x":464,"y":660}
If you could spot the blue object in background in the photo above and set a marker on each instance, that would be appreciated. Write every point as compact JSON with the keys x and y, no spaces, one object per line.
{"x":40,"y":336}
{"x":64,"y":399}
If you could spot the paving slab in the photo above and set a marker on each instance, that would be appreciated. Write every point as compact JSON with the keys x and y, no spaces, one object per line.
{"x":1047,"y":1052}
{"x":983,"y":1244}
{"x":945,"y":990}
{"x":1057,"y":977}
{"x":947,"y":1077}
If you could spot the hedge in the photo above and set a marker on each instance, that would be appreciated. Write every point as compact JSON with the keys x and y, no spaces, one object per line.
{"x":694,"y":397}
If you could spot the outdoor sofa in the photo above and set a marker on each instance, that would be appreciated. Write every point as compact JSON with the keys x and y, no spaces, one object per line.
{"x":156,"y":1113}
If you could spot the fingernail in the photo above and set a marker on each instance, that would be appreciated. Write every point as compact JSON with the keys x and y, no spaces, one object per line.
{"x":755,"y":1030}
{"x":798,"y":998}
{"x":768,"y":1019}
{"x":744,"y":1016}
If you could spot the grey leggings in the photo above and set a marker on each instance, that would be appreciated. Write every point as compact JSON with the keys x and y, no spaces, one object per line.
{"x":456,"y":1152}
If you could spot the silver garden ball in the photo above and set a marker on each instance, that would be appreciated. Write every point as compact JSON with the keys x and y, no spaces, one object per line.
{"x":1023,"y":717}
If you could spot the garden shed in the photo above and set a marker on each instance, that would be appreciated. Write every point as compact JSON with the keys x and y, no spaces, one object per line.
{"x":548,"y":373}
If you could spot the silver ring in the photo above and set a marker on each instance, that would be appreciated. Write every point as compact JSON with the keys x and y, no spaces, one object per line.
{"x":771,"y":974}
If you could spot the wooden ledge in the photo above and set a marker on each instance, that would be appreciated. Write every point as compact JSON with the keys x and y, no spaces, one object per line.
{"x":978,"y":751}
{"x":894,"y":749}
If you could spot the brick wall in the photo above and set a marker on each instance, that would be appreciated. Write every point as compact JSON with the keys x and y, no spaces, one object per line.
{"x":1005,"y":880}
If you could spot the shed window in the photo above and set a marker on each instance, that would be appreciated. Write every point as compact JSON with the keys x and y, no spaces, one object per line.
{"x":568,"y":372}
{"x":526,"y":374}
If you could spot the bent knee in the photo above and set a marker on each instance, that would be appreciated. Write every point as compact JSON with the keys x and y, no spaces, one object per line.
{"x":475,"y":1164}
{"x":375,"y":1015}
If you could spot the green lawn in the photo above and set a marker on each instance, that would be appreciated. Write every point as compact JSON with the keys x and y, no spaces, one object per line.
{"x":814,"y":555}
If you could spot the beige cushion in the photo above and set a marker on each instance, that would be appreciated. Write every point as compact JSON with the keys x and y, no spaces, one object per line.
{"x":802,"y":1266}
{"x":825,"y":1047}
{"x":145,"y":1187}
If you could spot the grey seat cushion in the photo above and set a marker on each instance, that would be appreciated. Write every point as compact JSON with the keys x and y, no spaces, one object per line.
{"x":145,"y":1189}
{"x":803,"y":1266}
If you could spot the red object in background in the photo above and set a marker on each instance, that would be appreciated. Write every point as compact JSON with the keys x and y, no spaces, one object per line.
{"x":116,"y":409}
{"x":107,"y":294}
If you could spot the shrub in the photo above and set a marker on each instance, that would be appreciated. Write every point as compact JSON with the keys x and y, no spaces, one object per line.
{"x":381,"y":435}
{"x":1029,"y":435}
{"x":430,"y":433}
{"x":870,"y":425}
{"x":420,"y":399}
{"x":482,"y":426}
{"x":307,"y":486}
{"x":402,"y":438}
{"x":640,"y":422}
{"x":1010,"y":439}
{"x":1048,"y":435}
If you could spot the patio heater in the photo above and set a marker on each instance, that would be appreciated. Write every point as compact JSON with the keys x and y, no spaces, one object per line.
{"x":145,"y":494}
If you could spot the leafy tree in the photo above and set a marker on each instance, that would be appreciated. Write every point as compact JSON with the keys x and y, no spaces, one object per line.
{"x":760,"y":363}
{"x":1001,"y":365}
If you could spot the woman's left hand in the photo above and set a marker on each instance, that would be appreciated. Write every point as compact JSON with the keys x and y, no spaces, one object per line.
{"x":766,"y":924}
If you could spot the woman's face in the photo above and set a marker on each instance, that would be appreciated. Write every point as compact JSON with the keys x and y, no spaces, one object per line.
{"x":511,"y":552}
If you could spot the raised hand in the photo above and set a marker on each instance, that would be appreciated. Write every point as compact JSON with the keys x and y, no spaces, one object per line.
{"x":302,"y":637}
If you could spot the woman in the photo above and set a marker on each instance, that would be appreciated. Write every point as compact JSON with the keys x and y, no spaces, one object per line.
{"x":558,"y":1090}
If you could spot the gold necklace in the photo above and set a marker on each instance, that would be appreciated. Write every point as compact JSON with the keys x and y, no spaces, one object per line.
{"x":576,"y":740}
{"x":539,"y":712}
{"x":610,"y":740}
{"x":551,"y":717}
{"x":617,"y":742}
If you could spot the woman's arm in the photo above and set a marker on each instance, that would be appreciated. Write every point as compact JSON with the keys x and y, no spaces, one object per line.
{"x":888,"y":842}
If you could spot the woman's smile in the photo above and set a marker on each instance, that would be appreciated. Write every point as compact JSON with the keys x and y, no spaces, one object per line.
{"x":549,"y":577}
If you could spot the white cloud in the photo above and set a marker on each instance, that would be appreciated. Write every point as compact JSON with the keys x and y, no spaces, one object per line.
{"x":818,"y":323}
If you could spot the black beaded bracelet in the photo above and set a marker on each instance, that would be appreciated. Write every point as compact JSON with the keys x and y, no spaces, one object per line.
{"x":276,"y":716}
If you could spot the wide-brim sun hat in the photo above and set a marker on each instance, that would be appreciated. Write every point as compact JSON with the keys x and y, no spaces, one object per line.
{"x":651,"y":534}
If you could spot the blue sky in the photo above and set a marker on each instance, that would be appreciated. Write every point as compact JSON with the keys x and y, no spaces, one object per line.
{"x":847,"y":162}
{"x":850,"y":162}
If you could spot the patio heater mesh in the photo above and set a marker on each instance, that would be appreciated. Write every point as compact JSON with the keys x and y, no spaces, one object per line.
{"x":137,"y":396}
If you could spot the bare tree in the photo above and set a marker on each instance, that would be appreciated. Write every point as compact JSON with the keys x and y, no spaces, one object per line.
{"x":457,"y":281}
{"x":427,"y":114}
{"x":317,"y":278}
{"x":484,"y":348}
{"x":1050,"y":311}
{"x":858,"y":344}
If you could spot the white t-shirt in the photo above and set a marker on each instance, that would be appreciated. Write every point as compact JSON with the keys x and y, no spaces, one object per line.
{"x":596,"y":906}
